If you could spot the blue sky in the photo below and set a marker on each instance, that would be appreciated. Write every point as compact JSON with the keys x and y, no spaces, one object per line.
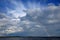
{"x":29,"y":17}
{"x":7,"y":3}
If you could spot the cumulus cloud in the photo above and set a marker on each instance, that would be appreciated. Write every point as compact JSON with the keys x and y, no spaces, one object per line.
{"x":48,"y":17}
{"x":18,"y":11}
{"x":30,"y":20}
{"x":9,"y":25}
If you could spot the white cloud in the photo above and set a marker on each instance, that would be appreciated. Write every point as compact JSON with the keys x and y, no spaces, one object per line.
{"x":9,"y":25}
{"x":13,"y":29}
{"x":48,"y":15}
{"x":51,"y":13}
{"x":18,"y":12}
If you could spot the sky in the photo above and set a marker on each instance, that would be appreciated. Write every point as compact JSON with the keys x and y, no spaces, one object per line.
{"x":29,"y":17}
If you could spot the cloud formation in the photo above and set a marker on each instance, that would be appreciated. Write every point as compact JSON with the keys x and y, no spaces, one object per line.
{"x":32,"y":21}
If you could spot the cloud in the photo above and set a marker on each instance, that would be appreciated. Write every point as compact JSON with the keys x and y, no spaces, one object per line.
{"x":18,"y":11}
{"x":34,"y":20}
{"x":9,"y":25}
{"x":48,"y":18}
{"x":13,"y":29}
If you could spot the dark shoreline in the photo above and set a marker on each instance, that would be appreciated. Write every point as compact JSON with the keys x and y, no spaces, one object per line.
{"x":27,"y":38}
